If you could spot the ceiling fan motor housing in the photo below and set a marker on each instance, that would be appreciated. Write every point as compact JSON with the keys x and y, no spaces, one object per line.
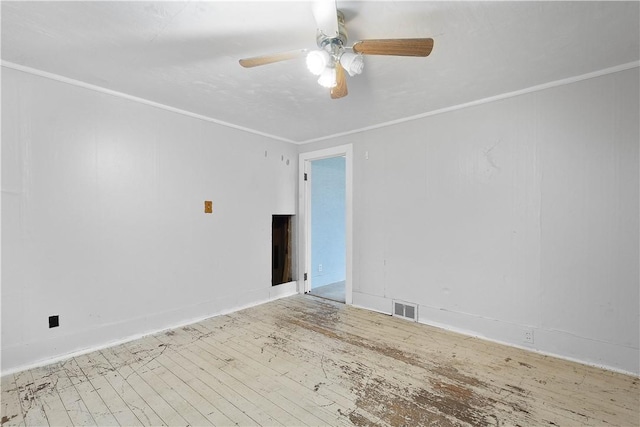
{"x":323,"y":40}
{"x":335,"y":46}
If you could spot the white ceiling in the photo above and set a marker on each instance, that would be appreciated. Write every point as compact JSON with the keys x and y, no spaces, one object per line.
{"x":185,"y":54}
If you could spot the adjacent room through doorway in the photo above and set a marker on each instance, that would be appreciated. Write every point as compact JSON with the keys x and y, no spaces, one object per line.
{"x":328,"y":266}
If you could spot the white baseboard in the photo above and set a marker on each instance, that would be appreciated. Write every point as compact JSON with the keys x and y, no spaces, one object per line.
{"x":36,"y":354}
{"x":372,"y":302}
{"x":552,"y":343}
{"x":559,"y":344}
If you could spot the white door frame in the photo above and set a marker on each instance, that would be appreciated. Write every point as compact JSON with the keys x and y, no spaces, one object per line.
{"x":304,"y":209}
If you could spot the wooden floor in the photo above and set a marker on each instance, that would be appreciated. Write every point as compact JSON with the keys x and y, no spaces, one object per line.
{"x":308,"y":361}
{"x":333,"y":291}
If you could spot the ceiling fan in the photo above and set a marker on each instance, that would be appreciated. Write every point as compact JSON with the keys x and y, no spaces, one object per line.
{"x":332,"y":58}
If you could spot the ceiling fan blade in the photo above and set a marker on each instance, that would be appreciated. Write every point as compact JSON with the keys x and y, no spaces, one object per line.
{"x":325,"y":12}
{"x":270,"y":59}
{"x":340,"y":89}
{"x":397,"y":47}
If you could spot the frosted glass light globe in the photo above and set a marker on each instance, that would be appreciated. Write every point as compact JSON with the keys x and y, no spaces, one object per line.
{"x":352,"y":63}
{"x":328,"y":78}
{"x":317,"y":61}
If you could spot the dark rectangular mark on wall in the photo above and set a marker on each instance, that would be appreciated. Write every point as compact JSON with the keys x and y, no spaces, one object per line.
{"x":281,"y":249}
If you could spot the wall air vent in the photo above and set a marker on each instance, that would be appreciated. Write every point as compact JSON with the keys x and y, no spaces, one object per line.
{"x":405,"y":310}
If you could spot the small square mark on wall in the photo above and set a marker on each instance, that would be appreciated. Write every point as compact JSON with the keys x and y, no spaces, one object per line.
{"x":54,"y":321}
{"x":208,"y":206}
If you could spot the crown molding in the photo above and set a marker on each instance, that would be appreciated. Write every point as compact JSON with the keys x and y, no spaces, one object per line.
{"x":122,"y":95}
{"x":507,"y":95}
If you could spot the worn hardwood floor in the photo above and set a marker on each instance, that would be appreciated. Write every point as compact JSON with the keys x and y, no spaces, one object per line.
{"x":307,"y":361}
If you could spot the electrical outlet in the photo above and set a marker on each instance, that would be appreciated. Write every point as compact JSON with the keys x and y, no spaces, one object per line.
{"x":320,"y":268}
{"x":528,"y":336}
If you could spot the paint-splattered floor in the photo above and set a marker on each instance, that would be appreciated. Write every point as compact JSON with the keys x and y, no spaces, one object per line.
{"x":308,"y":361}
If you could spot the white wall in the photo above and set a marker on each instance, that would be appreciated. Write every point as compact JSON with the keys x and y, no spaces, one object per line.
{"x":103,"y":223}
{"x":514,"y":215}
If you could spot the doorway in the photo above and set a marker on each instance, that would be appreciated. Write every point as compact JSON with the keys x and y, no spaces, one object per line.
{"x":326,"y":220}
{"x":327,"y":178}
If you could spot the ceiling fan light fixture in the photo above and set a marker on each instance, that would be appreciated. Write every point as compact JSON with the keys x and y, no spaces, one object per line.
{"x":352,"y":63}
{"x":334,"y":59}
{"x":317,"y":61}
{"x":328,"y":78}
